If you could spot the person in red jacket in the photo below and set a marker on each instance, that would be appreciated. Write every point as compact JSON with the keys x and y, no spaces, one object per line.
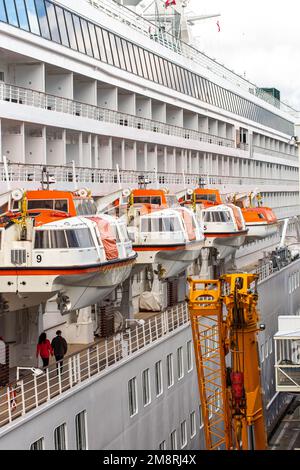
{"x":44,"y":349}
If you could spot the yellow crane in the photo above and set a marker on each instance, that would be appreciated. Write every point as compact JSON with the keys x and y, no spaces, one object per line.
{"x":224,"y":320}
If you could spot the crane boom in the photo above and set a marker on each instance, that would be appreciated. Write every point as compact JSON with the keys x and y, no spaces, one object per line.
{"x":231,"y":397}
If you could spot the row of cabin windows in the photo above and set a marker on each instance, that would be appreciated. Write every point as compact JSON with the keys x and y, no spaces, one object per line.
{"x":55,"y":23}
{"x":71,"y":238}
{"x":183,"y":429}
{"x":60,"y":435}
{"x":158,"y":371}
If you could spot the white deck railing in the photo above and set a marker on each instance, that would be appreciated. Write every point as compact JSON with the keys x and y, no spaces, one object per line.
{"x":23,"y":172}
{"x":31,"y":392}
{"x":38,"y":99}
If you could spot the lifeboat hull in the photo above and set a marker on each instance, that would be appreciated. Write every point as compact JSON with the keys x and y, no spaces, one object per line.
{"x":83,"y":286}
{"x":173,"y":259}
{"x":226,"y":243}
{"x":262,"y":230}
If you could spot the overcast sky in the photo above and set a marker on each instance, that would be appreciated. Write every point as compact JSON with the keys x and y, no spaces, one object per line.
{"x":258,"y":38}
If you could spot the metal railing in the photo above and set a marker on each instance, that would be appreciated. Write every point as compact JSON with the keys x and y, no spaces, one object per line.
{"x":276,"y":153}
{"x":42,"y":100}
{"x":23,"y":172}
{"x":149,"y":29}
{"x":30,"y":392}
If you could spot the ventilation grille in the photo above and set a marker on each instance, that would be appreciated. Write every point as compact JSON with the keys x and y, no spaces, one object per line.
{"x":18,"y":256}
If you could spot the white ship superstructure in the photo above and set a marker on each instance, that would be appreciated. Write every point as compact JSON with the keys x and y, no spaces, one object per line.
{"x":95,"y":95}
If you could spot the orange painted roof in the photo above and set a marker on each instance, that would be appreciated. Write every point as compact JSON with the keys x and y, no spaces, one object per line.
{"x":259,"y":214}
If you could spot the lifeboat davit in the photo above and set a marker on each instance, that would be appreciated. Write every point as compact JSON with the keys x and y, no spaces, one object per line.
{"x":44,"y":253}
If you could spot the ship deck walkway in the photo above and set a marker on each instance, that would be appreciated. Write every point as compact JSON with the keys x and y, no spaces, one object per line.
{"x":32,"y":391}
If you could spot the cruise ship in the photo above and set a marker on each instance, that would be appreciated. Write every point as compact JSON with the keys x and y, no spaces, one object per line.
{"x":104,"y":97}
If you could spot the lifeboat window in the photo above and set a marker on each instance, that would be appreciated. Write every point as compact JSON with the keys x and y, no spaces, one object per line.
{"x":115,"y":232}
{"x":206,"y":197}
{"x":85,"y":207}
{"x":172,"y":200}
{"x":56,"y":204}
{"x":124,"y":232}
{"x":261,"y":216}
{"x":160,"y":224}
{"x":147,"y":200}
{"x":61,"y":205}
{"x":83,"y":237}
{"x":58,"y":239}
{"x":42,"y":239}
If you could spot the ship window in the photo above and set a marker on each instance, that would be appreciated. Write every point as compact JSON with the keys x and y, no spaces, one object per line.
{"x":52,"y":22}
{"x":146,"y":387}
{"x":60,"y":442}
{"x":58,"y":239}
{"x":31,"y":11}
{"x":200,"y":417}
{"x":11,"y":13}
{"x":193,"y":424}
{"x":189,"y":356}
{"x":180,"y":369}
{"x":170,"y":371}
{"x":174,"y":440}
{"x":22,"y":15}
{"x":183,"y":434}
{"x":42,"y":17}
{"x":162,"y":445}
{"x":80,"y":424}
{"x":158,"y":378}
{"x":132,"y":395}
{"x":38,"y":445}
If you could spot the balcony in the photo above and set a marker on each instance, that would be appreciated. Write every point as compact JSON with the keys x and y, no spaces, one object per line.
{"x":37,"y":99}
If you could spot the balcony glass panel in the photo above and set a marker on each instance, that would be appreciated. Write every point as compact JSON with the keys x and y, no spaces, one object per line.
{"x":86,"y":37}
{"x":11,"y":13}
{"x":52,"y":22}
{"x":22,"y":15}
{"x":78,"y":32}
{"x":42,"y":17}
{"x":62,"y":26}
{"x":94,"y":41}
{"x":2,"y":12}
{"x":71,"y":31}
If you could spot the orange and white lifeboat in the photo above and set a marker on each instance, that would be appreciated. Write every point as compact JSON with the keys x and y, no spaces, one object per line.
{"x":224,"y":228}
{"x":79,"y":259}
{"x":260,"y":221}
{"x":172,"y":238}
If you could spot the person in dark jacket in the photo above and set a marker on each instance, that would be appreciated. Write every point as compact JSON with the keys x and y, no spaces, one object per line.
{"x":60,"y":347}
